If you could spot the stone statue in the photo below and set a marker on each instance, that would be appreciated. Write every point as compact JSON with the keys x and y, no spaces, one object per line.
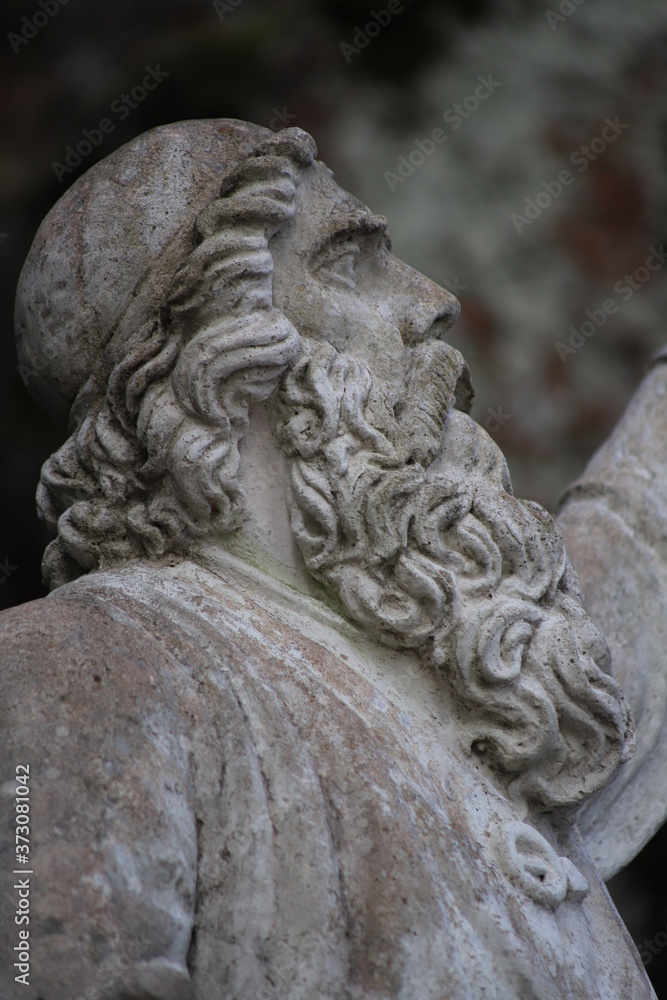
{"x":314,"y":704}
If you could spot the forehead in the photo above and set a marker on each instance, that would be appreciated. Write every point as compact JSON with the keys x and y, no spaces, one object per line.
{"x":325,"y":211}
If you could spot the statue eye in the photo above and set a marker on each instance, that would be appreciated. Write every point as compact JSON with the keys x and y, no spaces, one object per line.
{"x":338,"y":264}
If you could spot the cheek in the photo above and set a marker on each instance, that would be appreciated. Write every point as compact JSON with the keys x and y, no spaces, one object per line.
{"x":348,"y":321}
{"x":314,"y":311}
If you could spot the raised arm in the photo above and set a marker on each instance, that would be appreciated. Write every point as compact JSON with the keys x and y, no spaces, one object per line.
{"x":614,"y":520}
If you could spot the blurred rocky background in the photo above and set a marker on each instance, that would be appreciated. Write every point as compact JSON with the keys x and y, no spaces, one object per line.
{"x":519,"y":150}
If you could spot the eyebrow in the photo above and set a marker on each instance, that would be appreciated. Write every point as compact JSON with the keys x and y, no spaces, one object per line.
{"x":363,"y":222}
{"x":352,"y":224}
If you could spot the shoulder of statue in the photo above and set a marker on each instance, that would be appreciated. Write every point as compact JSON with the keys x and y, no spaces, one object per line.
{"x":76,"y":636}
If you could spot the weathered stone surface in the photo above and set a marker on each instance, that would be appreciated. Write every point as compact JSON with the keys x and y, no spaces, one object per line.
{"x":322,"y":699}
{"x":347,"y":843}
{"x":613,"y":519}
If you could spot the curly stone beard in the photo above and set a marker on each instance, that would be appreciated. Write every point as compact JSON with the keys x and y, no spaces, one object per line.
{"x":428,"y":550}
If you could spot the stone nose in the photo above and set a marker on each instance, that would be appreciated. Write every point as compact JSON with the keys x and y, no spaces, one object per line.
{"x":421,"y":308}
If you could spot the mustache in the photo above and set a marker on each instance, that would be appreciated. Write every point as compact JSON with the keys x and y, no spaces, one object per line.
{"x":336,"y":388}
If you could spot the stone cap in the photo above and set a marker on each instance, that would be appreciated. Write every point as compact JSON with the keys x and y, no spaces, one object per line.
{"x":106,"y":253}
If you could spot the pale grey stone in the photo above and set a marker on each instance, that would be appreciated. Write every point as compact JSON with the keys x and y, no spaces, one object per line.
{"x":315,"y":701}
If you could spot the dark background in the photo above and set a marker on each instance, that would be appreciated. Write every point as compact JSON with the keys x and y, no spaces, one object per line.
{"x":560,"y":77}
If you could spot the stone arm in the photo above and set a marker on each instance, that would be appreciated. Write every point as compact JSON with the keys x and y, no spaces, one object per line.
{"x":92,"y":704}
{"x":614,"y":521}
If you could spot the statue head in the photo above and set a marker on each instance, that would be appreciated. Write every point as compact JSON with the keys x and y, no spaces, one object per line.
{"x":167,"y":290}
{"x":209,"y":265}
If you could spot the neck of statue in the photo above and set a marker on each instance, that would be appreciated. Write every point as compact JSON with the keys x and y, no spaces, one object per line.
{"x":265,"y":540}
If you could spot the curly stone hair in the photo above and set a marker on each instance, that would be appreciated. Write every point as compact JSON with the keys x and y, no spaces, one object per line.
{"x":152,"y":463}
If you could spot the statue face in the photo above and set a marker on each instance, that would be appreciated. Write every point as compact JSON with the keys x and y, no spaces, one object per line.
{"x":336,"y":279}
{"x":406,"y":513}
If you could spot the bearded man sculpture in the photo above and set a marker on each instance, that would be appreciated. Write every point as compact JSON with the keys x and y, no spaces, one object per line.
{"x":314,"y":704}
